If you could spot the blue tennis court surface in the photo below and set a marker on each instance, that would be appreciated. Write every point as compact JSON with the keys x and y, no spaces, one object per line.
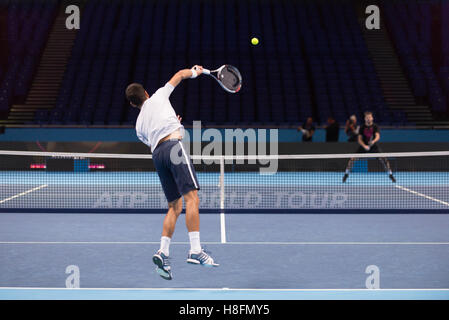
{"x":269,"y":256}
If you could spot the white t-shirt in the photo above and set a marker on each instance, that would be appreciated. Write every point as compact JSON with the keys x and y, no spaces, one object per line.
{"x":157,"y":118}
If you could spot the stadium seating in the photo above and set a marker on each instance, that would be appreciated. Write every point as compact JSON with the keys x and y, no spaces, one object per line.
{"x":312,"y":60}
{"x":410,"y":25}
{"x":28,"y":24}
{"x":297,"y":61}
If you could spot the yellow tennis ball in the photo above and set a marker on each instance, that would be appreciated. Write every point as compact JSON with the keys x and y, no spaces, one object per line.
{"x":254,"y":41}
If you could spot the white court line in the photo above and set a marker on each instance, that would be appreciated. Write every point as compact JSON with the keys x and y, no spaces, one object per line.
{"x":222,"y":202}
{"x":24,"y":193}
{"x":349,"y":243}
{"x":422,"y":195}
{"x":223,"y":227}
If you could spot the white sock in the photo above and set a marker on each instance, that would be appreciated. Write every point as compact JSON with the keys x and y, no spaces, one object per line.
{"x":165,"y":245}
{"x":195,"y":246}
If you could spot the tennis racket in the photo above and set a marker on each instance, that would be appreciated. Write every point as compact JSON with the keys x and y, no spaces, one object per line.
{"x":227,"y":76}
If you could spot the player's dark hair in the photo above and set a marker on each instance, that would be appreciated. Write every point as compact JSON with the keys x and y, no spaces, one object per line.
{"x":367,"y":113}
{"x":135,"y":93}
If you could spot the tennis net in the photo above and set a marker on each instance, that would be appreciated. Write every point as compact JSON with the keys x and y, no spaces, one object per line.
{"x":120,"y":182}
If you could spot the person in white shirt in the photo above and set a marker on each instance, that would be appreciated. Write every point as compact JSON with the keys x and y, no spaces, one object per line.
{"x":160,"y":128}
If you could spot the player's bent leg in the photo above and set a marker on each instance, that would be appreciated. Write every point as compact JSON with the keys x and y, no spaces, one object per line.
{"x":197,"y":255}
{"x":387,"y":167}
{"x":192,"y":210}
{"x":174,"y":210}
{"x":161,"y":257}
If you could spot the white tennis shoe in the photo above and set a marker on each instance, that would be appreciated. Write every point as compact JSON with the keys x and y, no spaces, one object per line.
{"x":202,"y":258}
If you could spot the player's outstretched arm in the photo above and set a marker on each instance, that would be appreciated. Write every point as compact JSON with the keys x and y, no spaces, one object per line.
{"x":185,"y":74}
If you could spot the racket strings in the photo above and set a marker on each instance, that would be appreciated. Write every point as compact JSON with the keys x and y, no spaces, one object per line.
{"x":230,"y":78}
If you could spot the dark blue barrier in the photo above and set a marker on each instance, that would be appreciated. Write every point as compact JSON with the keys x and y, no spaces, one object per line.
{"x":129,"y":135}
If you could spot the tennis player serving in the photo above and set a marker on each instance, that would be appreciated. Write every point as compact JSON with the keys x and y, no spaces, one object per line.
{"x":369,"y":135}
{"x":158,"y":127}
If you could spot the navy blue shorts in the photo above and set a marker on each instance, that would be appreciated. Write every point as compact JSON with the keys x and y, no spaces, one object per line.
{"x":175,"y":169}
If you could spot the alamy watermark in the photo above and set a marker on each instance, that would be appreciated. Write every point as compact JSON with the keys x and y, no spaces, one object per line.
{"x":73,"y":280}
{"x":256,"y":142}
{"x":372,"y":22}
{"x":73,"y":20}
{"x":373,"y":280}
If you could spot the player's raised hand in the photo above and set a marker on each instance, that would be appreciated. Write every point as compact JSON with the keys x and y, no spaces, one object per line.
{"x":198,"y":69}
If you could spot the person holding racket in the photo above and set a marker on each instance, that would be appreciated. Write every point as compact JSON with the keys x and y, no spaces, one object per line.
{"x":369,"y":135}
{"x":307,"y":129}
{"x":160,"y":128}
